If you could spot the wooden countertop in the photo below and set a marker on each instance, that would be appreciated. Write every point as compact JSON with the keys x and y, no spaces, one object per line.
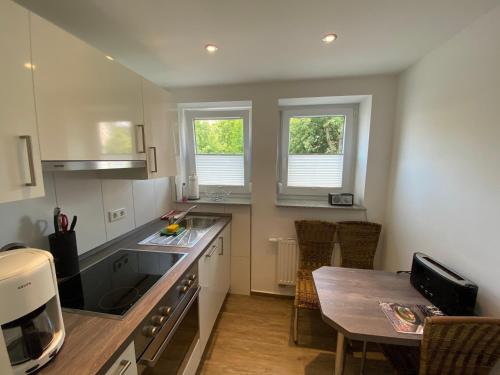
{"x":93,"y":343}
{"x":349,"y":301}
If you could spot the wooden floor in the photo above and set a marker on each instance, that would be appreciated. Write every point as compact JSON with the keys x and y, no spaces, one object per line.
{"x":254,"y":336}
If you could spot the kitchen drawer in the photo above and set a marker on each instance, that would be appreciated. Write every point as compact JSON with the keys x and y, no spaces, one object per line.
{"x":125,"y":364}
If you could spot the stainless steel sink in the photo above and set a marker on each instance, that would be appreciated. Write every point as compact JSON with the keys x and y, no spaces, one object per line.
{"x":195,"y":228}
{"x":198,"y":222}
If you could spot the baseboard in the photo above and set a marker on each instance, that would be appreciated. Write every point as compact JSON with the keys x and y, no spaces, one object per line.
{"x":269,"y":294}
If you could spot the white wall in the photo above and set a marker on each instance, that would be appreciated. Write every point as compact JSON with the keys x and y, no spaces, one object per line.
{"x":445,"y":190}
{"x":269,"y":220}
{"x":90,"y":198}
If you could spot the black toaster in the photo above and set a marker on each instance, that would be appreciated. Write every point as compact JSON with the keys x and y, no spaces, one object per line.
{"x":447,"y":290}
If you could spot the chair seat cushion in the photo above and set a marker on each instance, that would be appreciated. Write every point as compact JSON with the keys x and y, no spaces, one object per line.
{"x":305,"y":293}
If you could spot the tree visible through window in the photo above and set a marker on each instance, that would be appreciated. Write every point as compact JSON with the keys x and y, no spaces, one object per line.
{"x":315,"y":150}
{"x":219,"y":136}
{"x":219,"y":151}
{"x":316,"y":135}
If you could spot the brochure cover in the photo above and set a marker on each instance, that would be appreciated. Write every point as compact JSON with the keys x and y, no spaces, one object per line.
{"x":407,"y":318}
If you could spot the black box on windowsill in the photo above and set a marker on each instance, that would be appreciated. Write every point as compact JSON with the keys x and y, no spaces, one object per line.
{"x":344,"y":199}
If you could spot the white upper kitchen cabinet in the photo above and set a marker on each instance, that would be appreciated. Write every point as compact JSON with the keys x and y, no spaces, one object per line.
{"x":160,"y":116}
{"x":19,"y":153}
{"x":89,"y":107}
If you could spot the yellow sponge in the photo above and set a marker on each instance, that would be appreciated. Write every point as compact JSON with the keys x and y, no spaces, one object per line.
{"x":172,"y":228}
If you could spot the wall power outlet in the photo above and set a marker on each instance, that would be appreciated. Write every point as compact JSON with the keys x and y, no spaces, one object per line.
{"x":117,"y":214}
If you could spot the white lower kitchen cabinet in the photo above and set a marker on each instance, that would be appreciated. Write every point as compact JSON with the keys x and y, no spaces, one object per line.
{"x":125,"y":364}
{"x":215,"y":273}
{"x":194,"y":361}
{"x":209,"y":302}
{"x":19,"y":153}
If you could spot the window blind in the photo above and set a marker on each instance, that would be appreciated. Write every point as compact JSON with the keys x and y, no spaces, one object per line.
{"x":315,"y":170}
{"x":224,"y":170}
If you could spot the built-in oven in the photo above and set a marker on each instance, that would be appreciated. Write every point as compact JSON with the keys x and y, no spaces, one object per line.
{"x":169,"y":335}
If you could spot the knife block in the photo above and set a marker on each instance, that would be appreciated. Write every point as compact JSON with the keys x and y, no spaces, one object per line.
{"x":64,"y":250}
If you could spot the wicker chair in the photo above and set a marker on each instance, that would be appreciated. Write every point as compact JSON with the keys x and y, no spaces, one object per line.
{"x":451,"y":345}
{"x":358,"y":242}
{"x":316,"y":241}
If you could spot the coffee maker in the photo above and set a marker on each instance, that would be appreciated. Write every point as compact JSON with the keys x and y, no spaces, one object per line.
{"x":30,"y":311}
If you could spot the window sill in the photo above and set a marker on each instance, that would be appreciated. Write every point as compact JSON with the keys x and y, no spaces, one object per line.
{"x":305,"y":203}
{"x":238,"y":201}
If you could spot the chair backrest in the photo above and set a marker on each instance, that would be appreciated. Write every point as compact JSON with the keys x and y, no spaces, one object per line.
{"x":358,"y":242}
{"x":459,"y":345}
{"x":316,"y":240}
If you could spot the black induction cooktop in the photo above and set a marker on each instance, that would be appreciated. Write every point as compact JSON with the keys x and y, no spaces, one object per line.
{"x":114,"y":284}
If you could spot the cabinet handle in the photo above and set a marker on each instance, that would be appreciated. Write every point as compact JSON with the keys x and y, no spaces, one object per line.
{"x":31,"y":165}
{"x":155,"y":170}
{"x":221,"y":245}
{"x":143,"y":143}
{"x":214,"y":247}
{"x":124,"y":364}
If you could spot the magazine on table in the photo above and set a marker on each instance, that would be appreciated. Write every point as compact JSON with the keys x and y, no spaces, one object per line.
{"x":408,"y":318}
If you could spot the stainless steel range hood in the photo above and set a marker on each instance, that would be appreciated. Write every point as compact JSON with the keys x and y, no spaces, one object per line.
{"x":90,"y":165}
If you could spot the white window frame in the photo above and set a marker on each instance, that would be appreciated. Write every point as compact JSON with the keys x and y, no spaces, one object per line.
{"x":205,"y":114}
{"x":350,"y":131}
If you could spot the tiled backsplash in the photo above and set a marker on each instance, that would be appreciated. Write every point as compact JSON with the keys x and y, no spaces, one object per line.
{"x":90,"y":198}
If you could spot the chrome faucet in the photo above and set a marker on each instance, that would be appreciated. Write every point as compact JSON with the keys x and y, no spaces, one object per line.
{"x":177,"y":218}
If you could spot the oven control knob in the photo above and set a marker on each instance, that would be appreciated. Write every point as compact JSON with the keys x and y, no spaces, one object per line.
{"x":149,"y":331}
{"x":158,"y":320}
{"x":189,"y":282}
{"x":165,"y":310}
{"x":184,"y":289}
{"x":192,"y":277}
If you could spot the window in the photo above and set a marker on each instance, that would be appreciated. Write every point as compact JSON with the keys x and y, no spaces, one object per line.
{"x":218,"y":148}
{"x":317,"y":150}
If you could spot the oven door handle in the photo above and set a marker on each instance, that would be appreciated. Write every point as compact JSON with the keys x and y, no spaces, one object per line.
{"x":151,"y":362}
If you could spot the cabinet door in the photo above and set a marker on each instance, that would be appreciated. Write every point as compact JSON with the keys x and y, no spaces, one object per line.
{"x":208,"y":300}
{"x":125,"y":364}
{"x":193,"y":361}
{"x":159,"y":126}
{"x":88,"y":107}
{"x":223,"y":266}
{"x":19,"y":152}
{"x":226,"y":283}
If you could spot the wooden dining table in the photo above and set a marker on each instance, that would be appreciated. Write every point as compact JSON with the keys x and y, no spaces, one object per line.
{"x":349,"y":300}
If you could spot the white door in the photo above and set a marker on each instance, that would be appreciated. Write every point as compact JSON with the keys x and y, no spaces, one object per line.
{"x":19,"y":152}
{"x":88,"y":106}
{"x":159,"y":128}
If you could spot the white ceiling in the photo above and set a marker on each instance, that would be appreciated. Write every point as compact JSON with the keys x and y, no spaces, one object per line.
{"x":261,"y":40}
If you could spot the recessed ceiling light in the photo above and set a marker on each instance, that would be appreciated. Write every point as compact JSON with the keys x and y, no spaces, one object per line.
{"x":211,"y":48}
{"x":329,"y":38}
{"x":29,"y":65}
{"x":109,"y":58}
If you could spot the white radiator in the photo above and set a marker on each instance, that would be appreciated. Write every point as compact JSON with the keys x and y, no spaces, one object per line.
{"x":288,"y":257}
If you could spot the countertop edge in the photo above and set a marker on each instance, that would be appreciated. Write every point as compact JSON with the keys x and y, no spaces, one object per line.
{"x":132,"y":320}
